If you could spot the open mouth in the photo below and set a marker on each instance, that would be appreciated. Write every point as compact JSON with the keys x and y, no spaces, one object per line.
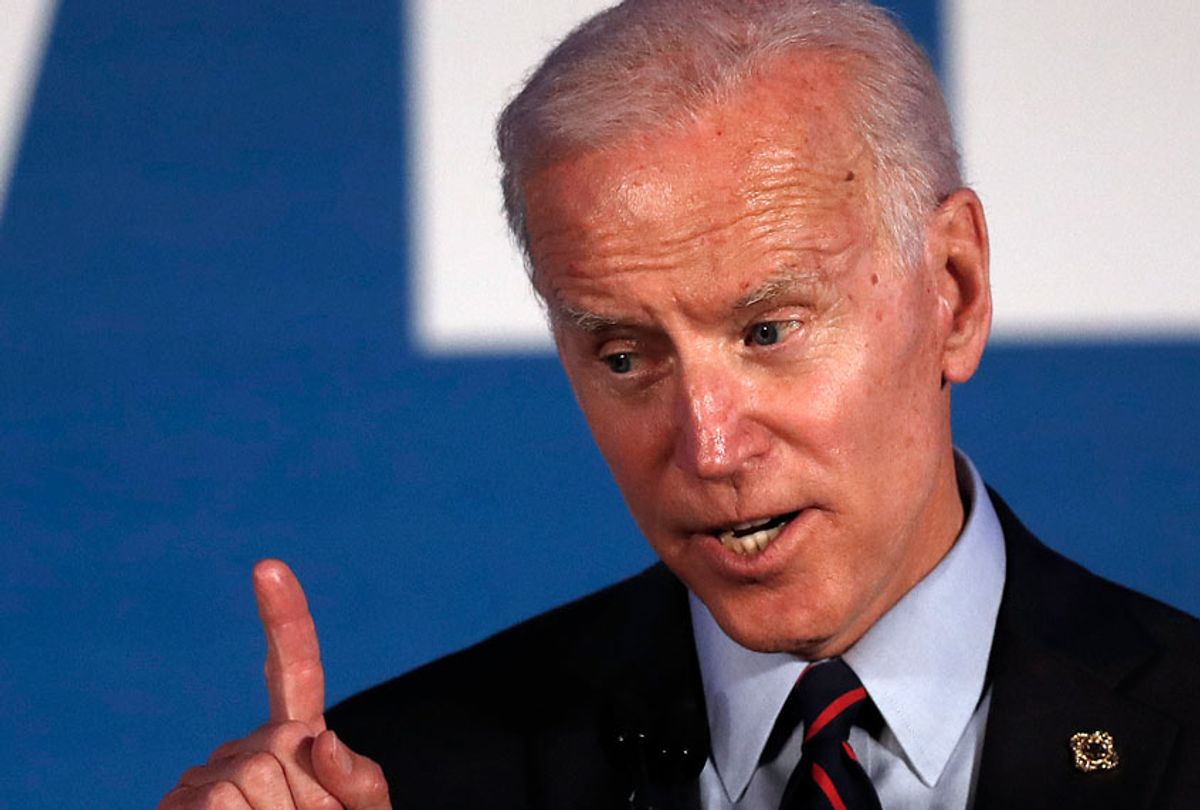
{"x":754,"y":536}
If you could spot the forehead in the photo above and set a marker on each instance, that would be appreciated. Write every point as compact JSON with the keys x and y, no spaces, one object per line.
{"x":775,"y":166}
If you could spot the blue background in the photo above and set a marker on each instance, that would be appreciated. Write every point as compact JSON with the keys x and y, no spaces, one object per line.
{"x":205,"y":359}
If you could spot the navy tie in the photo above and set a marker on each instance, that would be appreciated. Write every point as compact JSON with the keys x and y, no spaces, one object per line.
{"x":827,"y":698}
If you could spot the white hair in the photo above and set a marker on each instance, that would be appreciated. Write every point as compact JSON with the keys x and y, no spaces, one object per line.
{"x":650,"y":65}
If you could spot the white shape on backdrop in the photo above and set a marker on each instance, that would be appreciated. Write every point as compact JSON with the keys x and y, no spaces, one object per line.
{"x":468,"y":57}
{"x":23,"y":32}
{"x":1080,"y":124}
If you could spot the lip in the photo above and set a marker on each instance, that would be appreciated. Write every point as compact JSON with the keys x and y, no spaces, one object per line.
{"x":759,"y":522}
{"x":766,"y":564}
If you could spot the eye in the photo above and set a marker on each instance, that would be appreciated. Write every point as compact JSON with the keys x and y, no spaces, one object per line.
{"x":619,"y":363}
{"x":763,"y":334}
{"x":768,"y":333}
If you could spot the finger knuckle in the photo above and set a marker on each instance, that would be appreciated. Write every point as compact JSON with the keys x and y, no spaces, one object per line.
{"x":196,"y":775}
{"x":287,"y":736}
{"x":226,"y":749}
{"x":322,"y":802}
{"x":220,"y":796}
{"x":311,"y":795}
{"x":306,"y":670}
{"x":259,"y":771}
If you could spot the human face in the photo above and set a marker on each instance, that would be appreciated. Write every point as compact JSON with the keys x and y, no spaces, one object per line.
{"x":746,"y":350}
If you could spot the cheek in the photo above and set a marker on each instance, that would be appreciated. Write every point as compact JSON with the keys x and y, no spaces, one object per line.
{"x":824,"y":402}
{"x":865,"y":402}
{"x":633,"y":441}
{"x":900,"y":367}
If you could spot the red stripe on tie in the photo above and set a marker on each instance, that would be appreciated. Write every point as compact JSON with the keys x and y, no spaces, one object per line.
{"x":833,"y":710}
{"x":826,"y":785}
{"x":849,"y":751}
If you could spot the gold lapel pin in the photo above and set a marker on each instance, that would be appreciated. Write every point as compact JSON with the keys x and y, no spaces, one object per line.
{"x":1094,"y":751}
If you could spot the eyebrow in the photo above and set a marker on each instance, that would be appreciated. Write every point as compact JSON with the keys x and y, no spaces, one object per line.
{"x":774,"y":288}
{"x":777,"y":287}
{"x":581,"y":319}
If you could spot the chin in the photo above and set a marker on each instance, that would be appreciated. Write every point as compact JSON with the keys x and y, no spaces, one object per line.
{"x":809,"y":637}
{"x":772,"y":640}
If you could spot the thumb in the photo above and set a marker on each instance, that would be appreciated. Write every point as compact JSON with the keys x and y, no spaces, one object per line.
{"x":354,"y":780}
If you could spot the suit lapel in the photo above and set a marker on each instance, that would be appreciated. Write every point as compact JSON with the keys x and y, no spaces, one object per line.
{"x":1059,"y":657}
{"x":637,"y":674}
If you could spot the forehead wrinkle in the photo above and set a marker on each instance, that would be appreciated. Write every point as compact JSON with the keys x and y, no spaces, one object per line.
{"x":783,"y":167}
{"x":781,"y":184}
{"x":800,"y":258}
{"x":787,"y":191}
{"x":624,"y":252}
{"x":815,"y":208}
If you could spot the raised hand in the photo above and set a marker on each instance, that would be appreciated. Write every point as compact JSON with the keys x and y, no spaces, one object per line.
{"x":293,"y":762}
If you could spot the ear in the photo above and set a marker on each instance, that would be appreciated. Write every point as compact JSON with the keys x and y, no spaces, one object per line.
{"x":957,"y":258}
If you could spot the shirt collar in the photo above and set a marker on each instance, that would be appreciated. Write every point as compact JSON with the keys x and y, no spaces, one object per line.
{"x":924,"y":662}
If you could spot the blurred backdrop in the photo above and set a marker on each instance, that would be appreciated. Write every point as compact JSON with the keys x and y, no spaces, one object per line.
{"x":255,"y":299}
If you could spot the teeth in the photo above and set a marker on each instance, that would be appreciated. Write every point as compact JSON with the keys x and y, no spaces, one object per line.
{"x":750,"y":543}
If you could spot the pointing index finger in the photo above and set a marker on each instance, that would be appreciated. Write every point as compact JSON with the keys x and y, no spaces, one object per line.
{"x":295,"y":678}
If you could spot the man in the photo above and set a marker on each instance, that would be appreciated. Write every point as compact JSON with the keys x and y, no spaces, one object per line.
{"x":763,"y":277}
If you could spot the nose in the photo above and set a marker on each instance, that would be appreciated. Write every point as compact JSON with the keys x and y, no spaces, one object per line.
{"x":715,"y":432}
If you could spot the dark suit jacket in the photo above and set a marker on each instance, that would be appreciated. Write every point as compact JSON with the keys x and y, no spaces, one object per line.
{"x":529,"y":718}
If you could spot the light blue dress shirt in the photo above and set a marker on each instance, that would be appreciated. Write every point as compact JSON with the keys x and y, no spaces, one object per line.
{"x":924,"y":664}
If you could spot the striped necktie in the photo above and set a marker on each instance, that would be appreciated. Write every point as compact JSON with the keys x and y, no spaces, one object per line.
{"x":827,"y":697}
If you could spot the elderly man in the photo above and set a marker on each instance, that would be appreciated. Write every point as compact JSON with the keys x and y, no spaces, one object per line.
{"x":764,"y":278}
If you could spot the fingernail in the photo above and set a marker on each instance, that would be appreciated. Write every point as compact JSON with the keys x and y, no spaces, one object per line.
{"x":341,"y":756}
